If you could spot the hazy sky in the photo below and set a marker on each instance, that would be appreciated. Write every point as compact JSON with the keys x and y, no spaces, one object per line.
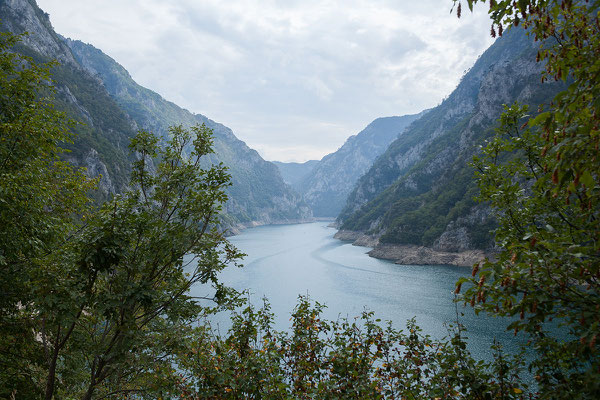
{"x":292,"y":78}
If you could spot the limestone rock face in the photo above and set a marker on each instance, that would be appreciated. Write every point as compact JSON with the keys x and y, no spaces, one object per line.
{"x":20,"y":16}
{"x":95,"y":168}
{"x":420,"y":255}
{"x":417,"y":199}
{"x":434,"y":142}
{"x":457,"y":236}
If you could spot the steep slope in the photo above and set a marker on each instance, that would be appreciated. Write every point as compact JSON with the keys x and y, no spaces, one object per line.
{"x":102,"y":137}
{"x":420,"y":191}
{"x":258,"y":193}
{"x":327,"y":186}
{"x":294,"y":173}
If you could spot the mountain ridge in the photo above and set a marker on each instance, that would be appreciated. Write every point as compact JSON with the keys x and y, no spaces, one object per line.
{"x":420,"y":191}
{"x":293,"y":172}
{"x":258,"y":193}
{"x":327,"y":185}
{"x":112,"y":112}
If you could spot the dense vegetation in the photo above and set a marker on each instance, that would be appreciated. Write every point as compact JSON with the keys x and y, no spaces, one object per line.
{"x":547,"y":201}
{"x":92,"y":297}
{"x":94,"y":300}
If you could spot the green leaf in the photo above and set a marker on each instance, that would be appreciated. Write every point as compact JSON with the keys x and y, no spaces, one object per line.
{"x":587,"y":179}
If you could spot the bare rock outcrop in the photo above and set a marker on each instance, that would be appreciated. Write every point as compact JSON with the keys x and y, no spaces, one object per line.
{"x":420,"y":255}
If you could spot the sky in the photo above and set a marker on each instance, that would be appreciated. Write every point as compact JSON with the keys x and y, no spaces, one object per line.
{"x":292,"y":78}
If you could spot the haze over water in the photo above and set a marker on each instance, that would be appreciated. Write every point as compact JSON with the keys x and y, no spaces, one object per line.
{"x":285,"y":261}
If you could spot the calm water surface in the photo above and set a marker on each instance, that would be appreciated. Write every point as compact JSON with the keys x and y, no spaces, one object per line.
{"x":285,"y":261}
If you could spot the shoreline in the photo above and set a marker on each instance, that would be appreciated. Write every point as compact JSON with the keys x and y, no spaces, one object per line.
{"x":402,"y":254}
{"x":238,"y":228}
{"x":411,"y":254}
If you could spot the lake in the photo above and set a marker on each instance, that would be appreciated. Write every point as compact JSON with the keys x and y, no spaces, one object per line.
{"x":285,"y":261}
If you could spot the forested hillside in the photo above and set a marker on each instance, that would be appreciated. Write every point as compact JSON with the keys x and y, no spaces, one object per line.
{"x":421,"y":190}
{"x":258,"y":192}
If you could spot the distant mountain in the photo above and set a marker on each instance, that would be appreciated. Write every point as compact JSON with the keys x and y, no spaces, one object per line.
{"x":258,"y":192}
{"x":96,"y":90}
{"x":293,"y":173}
{"x":420,"y":191}
{"x":326,"y":187}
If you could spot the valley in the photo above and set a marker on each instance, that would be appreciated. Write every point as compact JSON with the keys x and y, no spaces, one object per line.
{"x":401,"y":184}
{"x":441,"y":252}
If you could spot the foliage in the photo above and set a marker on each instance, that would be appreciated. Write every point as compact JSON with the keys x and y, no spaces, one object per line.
{"x":549,"y":263}
{"x":93,"y":300}
{"x":41,"y":198}
{"x":547,"y":201}
{"x":119,"y":290}
{"x":343,"y":359}
{"x":95,"y":303}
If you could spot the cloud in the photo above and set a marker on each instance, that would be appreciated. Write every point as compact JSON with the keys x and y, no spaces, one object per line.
{"x":293,"y":79}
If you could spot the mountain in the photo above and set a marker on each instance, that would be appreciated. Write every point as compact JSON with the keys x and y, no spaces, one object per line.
{"x":293,"y":173}
{"x":258,"y":193}
{"x":327,"y":186}
{"x":94,"y":89}
{"x":416,"y":203}
{"x":105,"y":131}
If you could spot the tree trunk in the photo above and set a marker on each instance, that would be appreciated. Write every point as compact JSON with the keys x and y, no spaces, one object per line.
{"x":51,"y":377}
{"x":90,"y":391}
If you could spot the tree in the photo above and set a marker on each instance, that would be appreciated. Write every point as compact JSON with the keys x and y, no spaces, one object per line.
{"x":343,"y":359}
{"x":41,"y":200}
{"x":541,"y":174}
{"x":95,"y":299}
{"x":118,"y":299}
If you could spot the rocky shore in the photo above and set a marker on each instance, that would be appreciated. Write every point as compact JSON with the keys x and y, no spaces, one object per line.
{"x":411,"y":254}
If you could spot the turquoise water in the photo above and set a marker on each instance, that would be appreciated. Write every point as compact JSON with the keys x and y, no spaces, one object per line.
{"x":285,"y":261}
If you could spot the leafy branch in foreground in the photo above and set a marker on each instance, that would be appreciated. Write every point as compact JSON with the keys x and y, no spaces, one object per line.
{"x":343,"y":359}
{"x":119,"y":291}
{"x":546,"y":277}
{"x":94,"y":301}
{"x":42,"y":199}
{"x":541,"y":174}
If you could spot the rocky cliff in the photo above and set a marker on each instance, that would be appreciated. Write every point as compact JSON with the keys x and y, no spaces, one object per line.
{"x":420,"y":192}
{"x":104,"y":129}
{"x":326,"y":187}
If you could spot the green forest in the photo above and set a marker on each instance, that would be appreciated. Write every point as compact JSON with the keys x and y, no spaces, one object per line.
{"x":95,"y":299}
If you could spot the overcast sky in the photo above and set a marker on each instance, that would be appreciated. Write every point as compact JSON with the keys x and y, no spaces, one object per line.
{"x":292,"y":78}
